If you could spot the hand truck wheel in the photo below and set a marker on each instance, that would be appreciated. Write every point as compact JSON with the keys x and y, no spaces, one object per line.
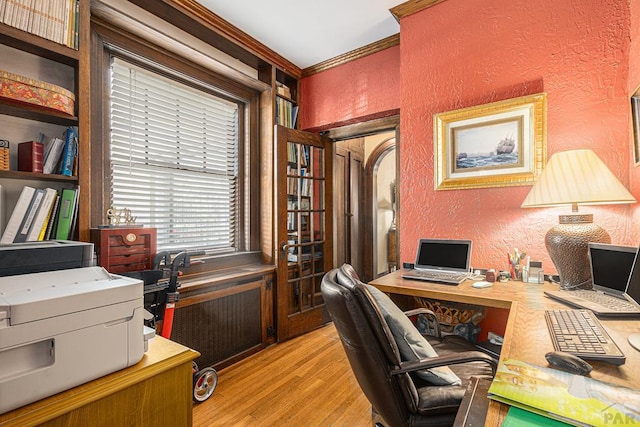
{"x":204,"y":383}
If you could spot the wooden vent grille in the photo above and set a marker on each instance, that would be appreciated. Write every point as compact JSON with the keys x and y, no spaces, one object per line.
{"x":221,"y":327}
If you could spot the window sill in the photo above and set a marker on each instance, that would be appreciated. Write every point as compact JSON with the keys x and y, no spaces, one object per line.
{"x":222,"y":268}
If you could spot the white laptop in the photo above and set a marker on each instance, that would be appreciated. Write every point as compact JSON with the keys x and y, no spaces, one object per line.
{"x":441,"y":260}
{"x":615,"y":271}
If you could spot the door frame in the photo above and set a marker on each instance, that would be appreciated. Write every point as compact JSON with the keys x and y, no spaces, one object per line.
{"x":357,"y":130}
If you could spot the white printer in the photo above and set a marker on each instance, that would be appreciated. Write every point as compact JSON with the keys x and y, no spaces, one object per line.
{"x":62,"y":328}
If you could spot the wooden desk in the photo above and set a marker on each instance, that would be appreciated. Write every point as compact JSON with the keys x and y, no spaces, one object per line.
{"x":157,"y":391}
{"x":526,"y":337}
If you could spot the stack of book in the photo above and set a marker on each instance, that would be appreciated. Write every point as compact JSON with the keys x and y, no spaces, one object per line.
{"x":55,"y":20}
{"x":286,"y":113}
{"x":60,"y":154}
{"x":42,"y":214}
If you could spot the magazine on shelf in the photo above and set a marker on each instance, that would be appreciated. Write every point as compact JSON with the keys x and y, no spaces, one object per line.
{"x":573,"y":399}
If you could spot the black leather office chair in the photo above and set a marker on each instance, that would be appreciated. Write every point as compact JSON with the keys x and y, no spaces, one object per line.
{"x":390,"y":382}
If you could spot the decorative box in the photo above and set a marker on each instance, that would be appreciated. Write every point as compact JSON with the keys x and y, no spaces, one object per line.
{"x":122,"y":249}
{"x":24,"y":90}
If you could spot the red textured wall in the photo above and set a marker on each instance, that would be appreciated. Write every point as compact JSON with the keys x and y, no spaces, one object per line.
{"x":634,"y":85}
{"x":464,"y":53}
{"x":363,"y":89}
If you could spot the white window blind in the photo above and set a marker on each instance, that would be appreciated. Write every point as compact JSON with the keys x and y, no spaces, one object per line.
{"x":174,"y":159}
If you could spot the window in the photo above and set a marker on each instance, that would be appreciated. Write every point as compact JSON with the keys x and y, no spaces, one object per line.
{"x":174,"y":158}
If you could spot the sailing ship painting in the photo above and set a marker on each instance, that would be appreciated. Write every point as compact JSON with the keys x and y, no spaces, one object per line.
{"x":492,"y":150}
{"x":498,"y":144}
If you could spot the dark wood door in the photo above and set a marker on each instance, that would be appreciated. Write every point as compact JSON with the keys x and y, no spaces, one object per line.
{"x":348,"y":201}
{"x":304,"y":228}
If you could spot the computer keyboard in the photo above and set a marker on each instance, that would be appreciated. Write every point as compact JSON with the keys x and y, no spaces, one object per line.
{"x":608,"y":301}
{"x":437,"y":276}
{"x":579,"y":332}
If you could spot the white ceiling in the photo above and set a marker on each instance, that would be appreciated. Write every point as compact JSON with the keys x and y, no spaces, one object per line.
{"x":307,"y":32}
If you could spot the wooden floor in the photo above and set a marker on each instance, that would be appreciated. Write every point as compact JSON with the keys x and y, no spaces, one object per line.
{"x":305,"y":381}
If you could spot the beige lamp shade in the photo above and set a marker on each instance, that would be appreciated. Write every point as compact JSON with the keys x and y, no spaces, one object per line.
{"x":576,"y":177}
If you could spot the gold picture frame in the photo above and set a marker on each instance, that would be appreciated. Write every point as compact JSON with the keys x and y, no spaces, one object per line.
{"x":635,"y":123}
{"x":492,"y":145}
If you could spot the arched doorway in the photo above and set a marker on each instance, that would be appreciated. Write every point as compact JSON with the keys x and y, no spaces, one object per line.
{"x":380,"y":209}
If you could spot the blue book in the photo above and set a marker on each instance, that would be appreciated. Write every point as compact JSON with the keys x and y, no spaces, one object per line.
{"x":70,"y":151}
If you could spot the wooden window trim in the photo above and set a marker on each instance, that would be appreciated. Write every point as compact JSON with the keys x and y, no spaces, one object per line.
{"x":106,"y":38}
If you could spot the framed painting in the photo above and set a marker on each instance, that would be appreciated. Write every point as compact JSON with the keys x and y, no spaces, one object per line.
{"x":492,"y":145}
{"x":635,"y":122}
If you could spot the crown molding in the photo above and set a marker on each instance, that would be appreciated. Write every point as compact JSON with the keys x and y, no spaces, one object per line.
{"x":197,"y":14}
{"x":411,"y":7}
{"x":361,"y":52}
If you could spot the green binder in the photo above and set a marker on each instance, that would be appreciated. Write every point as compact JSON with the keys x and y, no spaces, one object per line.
{"x":65,"y":216}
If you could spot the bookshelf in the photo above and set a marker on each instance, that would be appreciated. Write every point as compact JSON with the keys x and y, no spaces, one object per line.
{"x":286,"y":95}
{"x":27,"y":54}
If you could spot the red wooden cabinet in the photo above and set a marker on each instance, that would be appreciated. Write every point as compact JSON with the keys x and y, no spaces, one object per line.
{"x":122,"y":249}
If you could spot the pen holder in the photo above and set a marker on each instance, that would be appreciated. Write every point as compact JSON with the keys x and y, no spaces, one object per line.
{"x":517,"y":272}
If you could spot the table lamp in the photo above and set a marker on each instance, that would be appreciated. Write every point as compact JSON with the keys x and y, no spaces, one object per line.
{"x":576,"y":177}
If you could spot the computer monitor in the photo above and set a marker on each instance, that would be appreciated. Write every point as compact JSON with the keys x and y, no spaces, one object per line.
{"x":611,"y":266}
{"x":443,"y":254}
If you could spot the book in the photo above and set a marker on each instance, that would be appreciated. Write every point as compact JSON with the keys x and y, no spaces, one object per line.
{"x":53,"y":155}
{"x":17,"y":13}
{"x":65,"y":214}
{"x":67,"y":21}
{"x":74,"y":214}
{"x":30,"y":156}
{"x":51,"y":222}
{"x":44,"y":211}
{"x":31,"y":16}
{"x":563,"y":396}
{"x":25,"y":6}
{"x":69,"y":151}
{"x":19,"y":211}
{"x":48,"y":21}
{"x":8,"y":11}
{"x":517,"y":417}
{"x":76,"y":25}
{"x":29,"y":216}
{"x":37,"y":16}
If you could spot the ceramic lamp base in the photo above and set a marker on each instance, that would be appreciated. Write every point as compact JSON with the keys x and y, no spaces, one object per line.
{"x":568,"y":247}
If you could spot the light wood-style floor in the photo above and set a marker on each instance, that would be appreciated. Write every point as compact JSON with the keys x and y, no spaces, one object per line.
{"x":305,"y":381}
